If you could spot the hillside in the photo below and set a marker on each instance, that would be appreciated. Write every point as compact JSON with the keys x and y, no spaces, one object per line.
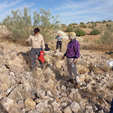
{"x":47,"y":90}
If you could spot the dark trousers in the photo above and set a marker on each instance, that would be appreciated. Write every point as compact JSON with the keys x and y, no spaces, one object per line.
{"x":35,"y":52}
{"x":59,"y":44}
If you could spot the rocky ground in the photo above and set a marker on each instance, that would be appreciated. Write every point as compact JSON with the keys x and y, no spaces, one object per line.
{"x":47,"y":90}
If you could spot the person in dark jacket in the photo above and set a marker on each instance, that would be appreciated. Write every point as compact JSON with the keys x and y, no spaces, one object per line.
{"x":72,"y":53}
{"x":59,"y":42}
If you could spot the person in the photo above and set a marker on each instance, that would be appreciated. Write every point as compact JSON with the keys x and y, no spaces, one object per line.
{"x":37,"y":43}
{"x":59,"y":42}
{"x":72,"y":53}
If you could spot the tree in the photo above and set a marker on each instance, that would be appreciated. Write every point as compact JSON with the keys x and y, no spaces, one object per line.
{"x":20,"y":24}
{"x":48,"y":24}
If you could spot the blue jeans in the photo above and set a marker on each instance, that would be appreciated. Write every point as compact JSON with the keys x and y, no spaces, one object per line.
{"x":35,"y":52}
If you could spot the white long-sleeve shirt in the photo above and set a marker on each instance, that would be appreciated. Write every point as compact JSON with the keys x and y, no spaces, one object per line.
{"x":36,"y":41}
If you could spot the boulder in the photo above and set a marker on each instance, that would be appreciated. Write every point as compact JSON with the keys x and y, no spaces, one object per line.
{"x":4,"y":82}
{"x":40,"y":107}
{"x":75,"y":107}
{"x":8,"y":103}
{"x":67,"y":110}
{"x":30,"y":104}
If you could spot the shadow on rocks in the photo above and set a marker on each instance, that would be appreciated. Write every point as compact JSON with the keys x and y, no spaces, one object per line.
{"x":3,"y":109}
{"x":27,"y":58}
{"x":93,"y":97}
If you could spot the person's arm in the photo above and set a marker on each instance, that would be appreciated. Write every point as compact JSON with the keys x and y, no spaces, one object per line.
{"x":28,"y":40}
{"x":77,"y":51}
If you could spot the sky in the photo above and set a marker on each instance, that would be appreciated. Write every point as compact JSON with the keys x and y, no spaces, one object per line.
{"x":69,"y":11}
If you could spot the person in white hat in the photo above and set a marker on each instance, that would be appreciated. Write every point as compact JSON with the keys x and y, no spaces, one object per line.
{"x":59,"y":42}
{"x":72,"y":53}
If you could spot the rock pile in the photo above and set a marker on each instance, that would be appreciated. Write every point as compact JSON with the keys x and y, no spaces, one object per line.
{"x":47,"y":90}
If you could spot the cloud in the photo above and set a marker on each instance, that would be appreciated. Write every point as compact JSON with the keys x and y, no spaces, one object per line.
{"x":85,"y":10}
{"x":7,"y":6}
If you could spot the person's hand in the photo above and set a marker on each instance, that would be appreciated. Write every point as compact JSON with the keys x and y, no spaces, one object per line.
{"x":75,"y":61}
{"x":63,"y":57}
{"x":26,"y":42}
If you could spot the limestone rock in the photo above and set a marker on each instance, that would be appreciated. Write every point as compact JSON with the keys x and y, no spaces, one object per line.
{"x":67,"y":110}
{"x":8,"y":103}
{"x":41,"y":106}
{"x":4,"y":82}
{"x":75,"y":107}
{"x":59,"y":64}
{"x":30,"y":104}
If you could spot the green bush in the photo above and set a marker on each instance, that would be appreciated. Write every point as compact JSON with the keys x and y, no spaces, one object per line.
{"x":104,"y":21}
{"x":69,"y":29}
{"x":109,"y":20}
{"x":93,"y":25}
{"x":83,"y":26}
{"x":21,"y":24}
{"x":82,"y":23}
{"x":80,"y":32}
{"x":74,"y":23}
{"x":95,"y":32}
{"x":107,"y":38}
{"x":108,"y":25}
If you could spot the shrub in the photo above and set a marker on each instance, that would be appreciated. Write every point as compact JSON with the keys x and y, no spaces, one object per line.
{"x":74,"y":24}
{"x":83,"y":26}
{"x":104,"y":21}
{"x":93,"y":25}
{"x":80,"y":32}
{"x":109,"y":20}
{"x":107,"y":38}
{"x":82,"y":23}
{"x":108,"y":25}
{"x":95,"y":32}
{"x":1,"y":23}
{"x":69,"y":29}
{"x":63,"y":27}
{"x":21,"y":25}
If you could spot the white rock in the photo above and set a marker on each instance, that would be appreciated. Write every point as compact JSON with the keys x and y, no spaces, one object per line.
{"x":55,"y":105}
{"x":30,"y":104}
{"x":41,"y":106}
{"x":67,"y":110}
{"x":8,"y":103}
{"x":75,"y":107}
{"x":49,"y":94}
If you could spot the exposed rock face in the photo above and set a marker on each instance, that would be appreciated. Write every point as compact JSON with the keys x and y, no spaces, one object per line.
{"x":48,"y":90}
